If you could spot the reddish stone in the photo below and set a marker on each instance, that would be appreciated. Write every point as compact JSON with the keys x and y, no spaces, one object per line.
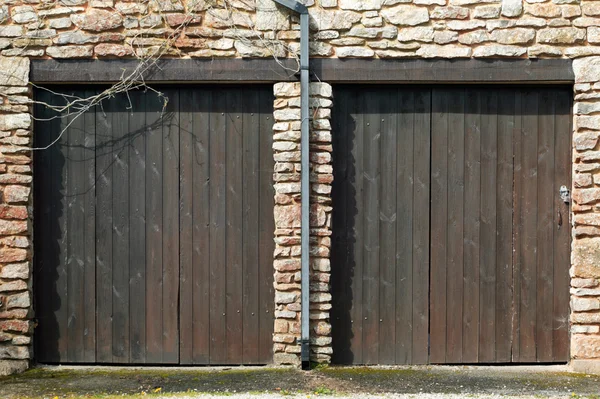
{"x":13,"y":212}
{"x":97,"y":20}
{"x":16,"y":285}
{"x":16,"y":194}
{"x":585,"y":346}
{"x":175,"y":20}
{"x":17,"y":159}
{"x":104,"y":50}
{"x":190,"y":43}
{"x":10,"y":255}
{"x":13,"y":314}
{"x":112,"y":37}
{"x":9,"y":178}
{"x":15,"y":325}
{"x":12,"y":227}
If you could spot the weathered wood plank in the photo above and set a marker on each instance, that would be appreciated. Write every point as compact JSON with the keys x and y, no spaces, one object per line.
{"x":439,"y":224}
{"x":328,"y":70}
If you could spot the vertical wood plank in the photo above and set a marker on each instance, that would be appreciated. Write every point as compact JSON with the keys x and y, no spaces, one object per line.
{"x":218,"y":218}
{"x":89,"y":233}
{"x":251,"y":136}
{"x":545,"y":225}
{"x":120,"y":230}
{"x":504,"y":234}
{"x":186,"y":225}
{"x":528,"y":225}
{"x":405,"y":193}
{"x":517,"y":230}
{"x":154,"y":231}
{"x":137,"y":227}
{"x":472,"y":226}
{"x":487,"y":248}
{"x":439,"y":220}
{"x":75,"y":238}
{"x":104,"y":216}
{"x":371,"y":243}
{"x":388,"y":105}
{"x":562,"y":234}
{"x":455,"y":229}
{"x":422,"y":143}
{"x":234,"y":238}
{"x":170,"y":242}
{"x":201,"y":164}
{"x":356,"y":177}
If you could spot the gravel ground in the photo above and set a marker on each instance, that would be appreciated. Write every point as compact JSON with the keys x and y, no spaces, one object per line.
{"x":433,"y":382}
{"x":368,"y":396}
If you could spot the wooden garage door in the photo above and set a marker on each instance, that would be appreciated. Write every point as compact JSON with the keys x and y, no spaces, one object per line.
{"x":451,"y":243}
{"x":153,"y":228}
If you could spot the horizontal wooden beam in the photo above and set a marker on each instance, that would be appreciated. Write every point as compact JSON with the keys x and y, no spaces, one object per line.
{"x":165,"y":70}
{"x":443,"y":71}
{"x":325,"y":69}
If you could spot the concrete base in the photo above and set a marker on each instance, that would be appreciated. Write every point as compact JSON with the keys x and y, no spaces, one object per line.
{"x":8,"y":367}
{"x":585,"y":366}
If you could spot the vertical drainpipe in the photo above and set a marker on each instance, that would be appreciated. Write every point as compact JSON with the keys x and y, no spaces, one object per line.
{"x":305,"y":176}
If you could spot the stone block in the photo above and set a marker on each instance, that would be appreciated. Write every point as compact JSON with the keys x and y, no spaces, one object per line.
{"x":585,"y":258}
{"x":14,"y":71}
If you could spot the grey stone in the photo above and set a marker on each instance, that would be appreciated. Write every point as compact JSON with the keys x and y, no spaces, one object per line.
{"x":465,"y":25}
{"x":491,"y":11}
{"x":360,"y":5}
{"x":11,"y":31}
{"x":14,"y":121}
{"x":335,"y":20}
{"x":419,"y":33}
{"x":448,"y":51}
{"x":14,"y":71}
{"x":14,"y":352}
{"x":512,"y":8}
{"x":76,"y":37}
{"x":587,"y":69}
{"x":8,"y":367}
{"x":403,"y":15}
{"x":543,"y":51}
{"x":70,"y":51}
{"x":513,"y":36}
{"x":445,"y":37}
{"x":561,"y":35}
{"x":15,"y":270}
{"x":60,"y":23}
{"x":24,"y":14}
{"x":21,"y":300}
{"x":450,"y":12}
{"x":474,"y":37}
{"x":354,"y":52}
{"x":498,"y":50}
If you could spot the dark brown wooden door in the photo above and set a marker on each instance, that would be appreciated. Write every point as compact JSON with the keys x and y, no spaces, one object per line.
{"x":153,"y":229}
{"x":498,"y":238}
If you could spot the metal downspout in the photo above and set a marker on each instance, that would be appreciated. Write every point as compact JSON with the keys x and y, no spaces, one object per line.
{"x":305,"y":176}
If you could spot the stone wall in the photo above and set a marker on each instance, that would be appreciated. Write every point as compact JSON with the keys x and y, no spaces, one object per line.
{"x":341,"y":28}
{"x":286,"y":149}
{"x":585,"y":262}
{"x":15,"y":208}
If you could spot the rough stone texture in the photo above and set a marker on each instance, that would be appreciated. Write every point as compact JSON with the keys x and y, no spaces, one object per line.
{"x":286,"y":148}
{"x":15,"y":182}
{"x":344,"y":28}
{"x":585,"y":256}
